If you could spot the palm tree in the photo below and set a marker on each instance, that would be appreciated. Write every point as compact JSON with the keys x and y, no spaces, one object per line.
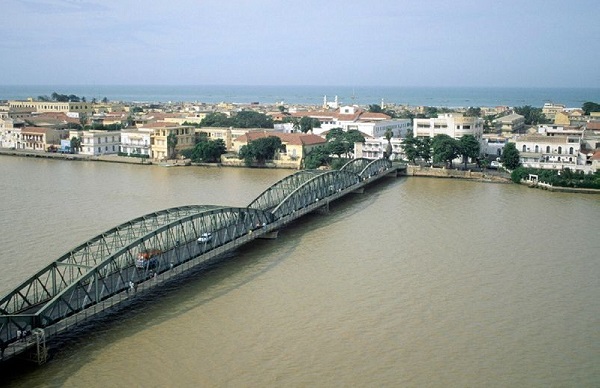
{"x":171,"y":144}
{"x":388,"y":149}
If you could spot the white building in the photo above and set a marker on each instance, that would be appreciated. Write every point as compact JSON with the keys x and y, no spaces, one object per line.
{"x":550,"y":152}
{"x":10,"y":133}
{"x":455,"y":125}
{"x":351,"y":117}
{"x":493,"y":145}
{"x":374,"y":148}
{"x":136,"y":142}
{"x":96,"y":143}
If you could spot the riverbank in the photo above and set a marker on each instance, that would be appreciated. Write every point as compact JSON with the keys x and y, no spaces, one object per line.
{"x":76,"y":157}
{"x":480,"y":176}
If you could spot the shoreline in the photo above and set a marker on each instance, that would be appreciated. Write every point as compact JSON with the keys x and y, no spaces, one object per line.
{"x":414,"y":171}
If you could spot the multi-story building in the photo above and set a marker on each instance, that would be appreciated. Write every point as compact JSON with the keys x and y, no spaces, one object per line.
{"x":375,"y":148}
{"x":51,"y":106}
{"x":161,"y":149}
{"x":351,"y":117}
{"x":493,"y":145}
{"x":550,"y":110}
{"x":136,"y":142}
{"x":455,"y":125}
{"x":10,"y":132}
{"x":552,"y":147}
{"x":96,"y":143}
{"x":295,"y":146}
{"x":38,"y":139}
{"x":227,"y":134}
{"x":512,"y":123}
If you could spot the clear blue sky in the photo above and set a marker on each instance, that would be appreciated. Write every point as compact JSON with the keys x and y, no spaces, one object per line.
{"x":539,"y":43}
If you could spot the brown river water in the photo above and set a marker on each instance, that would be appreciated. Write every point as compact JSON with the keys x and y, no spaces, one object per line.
{"x":417,"y":282}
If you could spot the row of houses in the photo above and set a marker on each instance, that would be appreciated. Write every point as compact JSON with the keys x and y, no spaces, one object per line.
{"x":556,"y":146}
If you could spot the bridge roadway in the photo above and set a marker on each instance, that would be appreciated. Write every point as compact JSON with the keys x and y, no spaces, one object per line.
{"x":102,"y":272}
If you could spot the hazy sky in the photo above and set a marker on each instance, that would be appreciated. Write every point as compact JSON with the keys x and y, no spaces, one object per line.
{"x":304,"y":42}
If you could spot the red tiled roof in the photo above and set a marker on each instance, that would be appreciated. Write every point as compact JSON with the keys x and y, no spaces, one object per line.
{"x":288,"y":138}
{"x":593,"y":125}
{"x":36,"y":130}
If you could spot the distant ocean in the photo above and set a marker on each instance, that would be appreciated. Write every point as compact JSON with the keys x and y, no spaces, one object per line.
{"x":313,"y":95}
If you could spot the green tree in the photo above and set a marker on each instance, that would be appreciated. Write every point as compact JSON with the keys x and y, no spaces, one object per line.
{"x":473,"y":112}
{"x":533,"y":116}
{"x":425,"y":148}
{"x":342,"y":143}
{"x":260,"y":150}
{"x":251,"y":119}
{"x":375,"y":108}
{"x":75,"y":144}
{"x":510,"y":158}
{"x":308,"y":123}
{"x":589,"y":107}
{"x":469,"y":148}
{"x":388,"y":149}
{"x":317,"y":157}
{"x":445,"y":149}
{"x":171,"y":144}
{"x":207,"y":151}
{"x":216,"y":119}
{"x":335,"y":141}
{"x":410,"y":147}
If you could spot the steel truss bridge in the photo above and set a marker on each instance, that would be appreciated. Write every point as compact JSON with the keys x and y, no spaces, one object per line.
{"x":102,"y":272}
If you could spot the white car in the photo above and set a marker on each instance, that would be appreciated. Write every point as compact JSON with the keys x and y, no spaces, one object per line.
{"x":204,"y":237}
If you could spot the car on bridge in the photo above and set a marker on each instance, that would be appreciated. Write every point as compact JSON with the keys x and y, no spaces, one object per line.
{"x":204,"y":238}
{"x":148,"y":258}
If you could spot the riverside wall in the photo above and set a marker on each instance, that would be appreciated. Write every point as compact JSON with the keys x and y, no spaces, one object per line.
{"x":435,"y":172}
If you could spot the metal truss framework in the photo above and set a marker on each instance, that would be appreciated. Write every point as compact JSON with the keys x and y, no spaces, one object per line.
{"x":105,"y":265}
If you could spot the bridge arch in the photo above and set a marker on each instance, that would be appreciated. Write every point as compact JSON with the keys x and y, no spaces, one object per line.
{"x":317,"y":188}
{"x":276,"y":193}
{"x":175,"y":242}
{"x":366,"y":168}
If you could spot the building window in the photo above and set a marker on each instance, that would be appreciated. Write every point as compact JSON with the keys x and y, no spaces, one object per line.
{"x":547,"y":149}
{"x":559,"y":150}
{"x":571,"y":150}
{"x":524,"y":148}
{"x":537,"y":149}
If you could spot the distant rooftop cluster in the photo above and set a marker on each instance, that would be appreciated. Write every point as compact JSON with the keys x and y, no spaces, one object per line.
{"x":562,"y":137}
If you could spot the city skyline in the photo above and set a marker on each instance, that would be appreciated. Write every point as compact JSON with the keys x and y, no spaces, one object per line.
{"x":444,"y":44}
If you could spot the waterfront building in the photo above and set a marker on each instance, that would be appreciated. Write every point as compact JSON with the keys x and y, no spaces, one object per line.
{"x":10,"y":133}
{"x":97,"y":142}
{"x":375,"y":148}
{"x":160,"y":147}
{"x":295,"y":146}
{"x":136,"y":142}
{"x":493,"y":145}
{"x":558,"y":147}
{"x":38,"y":139}
{"x":228,"y":134}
